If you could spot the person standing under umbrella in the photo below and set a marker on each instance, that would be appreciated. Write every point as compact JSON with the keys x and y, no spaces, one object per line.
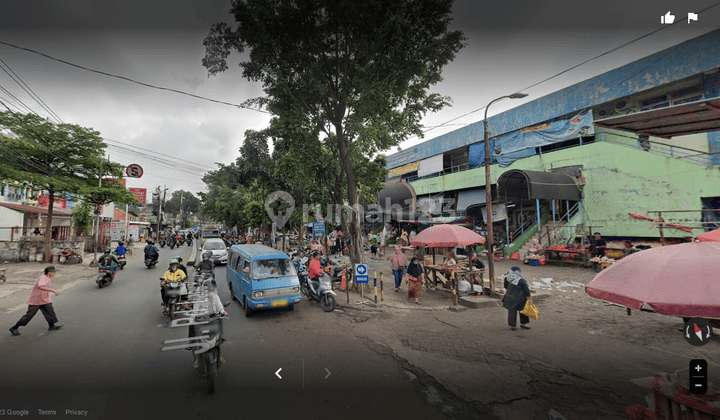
{"x":516,"y":295}
{"x":398,"y":260}
{"x":415,"y":281}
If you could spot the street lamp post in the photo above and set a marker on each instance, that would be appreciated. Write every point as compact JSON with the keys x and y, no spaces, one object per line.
{"x":488,"y":194}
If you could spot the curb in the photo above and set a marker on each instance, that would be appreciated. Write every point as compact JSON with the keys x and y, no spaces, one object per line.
{"x":193,"y":255}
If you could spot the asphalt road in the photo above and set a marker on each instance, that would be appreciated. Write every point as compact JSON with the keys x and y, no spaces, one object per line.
{"x":107,"y":361}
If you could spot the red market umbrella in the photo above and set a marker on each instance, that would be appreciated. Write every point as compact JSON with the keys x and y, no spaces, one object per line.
{"x":672,"y":280}
{"x":447,"y":236}
{"x":712,"y":236}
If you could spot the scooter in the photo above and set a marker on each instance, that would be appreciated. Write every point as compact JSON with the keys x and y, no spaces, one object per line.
{"x":321,"y":292}
{"x":122,"y":260}
{"x":105,"y":276}
{"x":337,"y":270}
{"x":161,"y":242}
{"x":150,"y":262}
{"x":175,"y":292}
{"x":172,"y":242}
{"x":208,"y":355}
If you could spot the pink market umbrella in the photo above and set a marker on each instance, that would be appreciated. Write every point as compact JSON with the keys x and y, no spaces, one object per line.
{"x":440,"y":236}
{"x":712,"y":236}
{"x":679,"y":280}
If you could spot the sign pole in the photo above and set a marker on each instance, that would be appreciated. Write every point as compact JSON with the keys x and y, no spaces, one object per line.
{"x":126,"y":222}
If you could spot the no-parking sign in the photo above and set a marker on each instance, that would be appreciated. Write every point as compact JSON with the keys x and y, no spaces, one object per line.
{"x":134,"y":171}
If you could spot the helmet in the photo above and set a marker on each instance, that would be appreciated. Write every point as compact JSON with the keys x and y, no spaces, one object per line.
{"x":209,"y":285}
{"x":206,"y":255}
{"x":174,"y":261}
{"x":107,"y":250}
{"x":179,"y":259}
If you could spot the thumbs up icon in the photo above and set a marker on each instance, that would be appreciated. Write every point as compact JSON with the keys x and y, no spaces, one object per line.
{"x":668,"y":19}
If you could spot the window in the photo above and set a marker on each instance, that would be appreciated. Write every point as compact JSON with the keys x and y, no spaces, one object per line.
{"x":233,"y":261}
{"x":267,"y":269}
{"x":655,"y":103}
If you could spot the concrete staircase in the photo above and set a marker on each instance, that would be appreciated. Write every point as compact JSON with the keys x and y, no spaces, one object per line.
{"x":557,"y":226}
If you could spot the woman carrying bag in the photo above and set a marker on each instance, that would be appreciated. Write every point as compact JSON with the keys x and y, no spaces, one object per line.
{"x":516,"y":296}
{"x":415,"y":282}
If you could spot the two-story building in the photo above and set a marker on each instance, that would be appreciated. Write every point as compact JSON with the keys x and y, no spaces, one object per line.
{"x":606,"y":153}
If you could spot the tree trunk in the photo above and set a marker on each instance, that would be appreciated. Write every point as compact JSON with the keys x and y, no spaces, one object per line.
{"x":355,"y":248}
{"x":48,"y":225}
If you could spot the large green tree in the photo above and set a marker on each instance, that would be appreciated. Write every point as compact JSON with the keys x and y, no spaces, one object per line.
{"x":58,"y":158}
{"x":182,"y":201}
{"x":357,"y":71}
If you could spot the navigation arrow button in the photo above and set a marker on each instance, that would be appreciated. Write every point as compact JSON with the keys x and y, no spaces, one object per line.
{"x":278,"y":373}
{"x":328,"y":375}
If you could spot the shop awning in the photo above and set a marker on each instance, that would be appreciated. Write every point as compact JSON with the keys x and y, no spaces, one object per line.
{"x":672,"y":121}
{"x":470,"y":197}
{"x":530,"y":185}
{"x":33,"y":209}
{"x":398,"y":199}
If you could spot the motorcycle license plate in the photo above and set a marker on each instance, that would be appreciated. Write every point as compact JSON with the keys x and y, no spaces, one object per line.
{"x":278,"y":303}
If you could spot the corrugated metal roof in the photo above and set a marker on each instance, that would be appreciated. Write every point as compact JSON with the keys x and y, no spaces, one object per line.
{"x":34,"y":209}
{"x":672,"y":121}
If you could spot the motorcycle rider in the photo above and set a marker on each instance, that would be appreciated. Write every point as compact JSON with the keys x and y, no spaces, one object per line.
{"x":172,"y":274}
{"x":206,"y":265}
{"x":121,"y":250}
{"x":214,"y":307}
{"x":151,"y":251}
{"x":315,"y":270}
{"x":297,"y":261}
{"x":108,"y":261}
{"x":189,"y":238}
{"x":181,"y":266}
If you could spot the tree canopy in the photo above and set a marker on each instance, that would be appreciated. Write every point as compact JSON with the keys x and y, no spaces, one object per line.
{"x":58,"y":158}
{"x":355,"y":73}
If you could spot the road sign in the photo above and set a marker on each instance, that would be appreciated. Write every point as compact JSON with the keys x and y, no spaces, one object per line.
{"x":318,"y":229}
{"x":140,"y":194}
{"x":134,"y":171}
{"x":361,"y":273}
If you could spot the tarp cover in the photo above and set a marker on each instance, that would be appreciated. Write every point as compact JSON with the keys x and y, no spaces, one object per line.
{"x":522,"y":143}
{"x":529,"y":185}
{"x":431,"y":165}
{"x":476,"y":154}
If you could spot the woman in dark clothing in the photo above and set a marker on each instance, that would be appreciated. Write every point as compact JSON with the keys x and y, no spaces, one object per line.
{"x":516,"y":295}
{"x":415,"y":280}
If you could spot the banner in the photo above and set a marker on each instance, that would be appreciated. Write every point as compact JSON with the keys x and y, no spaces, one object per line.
{"x":410,"y":167}
{"x":499,"y":212}
{"x":44,"y":201}
{"x":139,"y":193}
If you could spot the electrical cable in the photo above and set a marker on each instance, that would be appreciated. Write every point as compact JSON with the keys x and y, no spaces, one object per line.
{"x":576,"y":66}
{"x":192,"y":95}
{"x":27,"y":89}
{"x":15,"y":98}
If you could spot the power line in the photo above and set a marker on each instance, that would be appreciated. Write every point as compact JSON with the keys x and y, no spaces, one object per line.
{"x":28,"y":90}
{"x":574,"y":67}
{"x":15,"y":98}
{"x":157,"y":153}
{"x":133,"y":80}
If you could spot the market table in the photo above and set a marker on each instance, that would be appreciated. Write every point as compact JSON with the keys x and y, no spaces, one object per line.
{"x":554,"y":253}
{"x":443,"y":274}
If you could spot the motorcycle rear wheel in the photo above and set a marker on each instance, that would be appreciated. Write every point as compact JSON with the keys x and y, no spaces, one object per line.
{"x":304,"y":289}
{"x":327,"y":302}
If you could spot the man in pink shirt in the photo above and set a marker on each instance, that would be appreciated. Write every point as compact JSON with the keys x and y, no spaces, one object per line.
{"x":40,"y":301}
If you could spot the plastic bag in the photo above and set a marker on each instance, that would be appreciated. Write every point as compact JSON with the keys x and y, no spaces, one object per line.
{"x":530,"y":310}
{"x":515,"y":256}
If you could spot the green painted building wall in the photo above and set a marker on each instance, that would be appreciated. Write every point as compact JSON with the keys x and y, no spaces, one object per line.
{"x":620,"y":179}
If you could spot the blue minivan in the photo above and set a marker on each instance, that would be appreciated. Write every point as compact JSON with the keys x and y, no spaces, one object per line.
{"x":260,"y":277}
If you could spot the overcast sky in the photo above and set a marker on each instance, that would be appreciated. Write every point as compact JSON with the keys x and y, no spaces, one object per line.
{"x":511,"y":45}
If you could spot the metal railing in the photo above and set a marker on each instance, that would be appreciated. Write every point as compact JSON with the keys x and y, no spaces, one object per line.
{"x":650,"y":146}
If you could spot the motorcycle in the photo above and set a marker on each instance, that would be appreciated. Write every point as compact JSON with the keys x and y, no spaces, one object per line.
{"x":122,"y":261}
{"x":175,"y":291}
{"x":208,"y":355}
{"x":150,"y":262}
{"x":105,"y":276}
{"x":172,"y":242}
{"x":336,"y":270}
{"x":320,"y":291}
{"x":161,"y":242}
